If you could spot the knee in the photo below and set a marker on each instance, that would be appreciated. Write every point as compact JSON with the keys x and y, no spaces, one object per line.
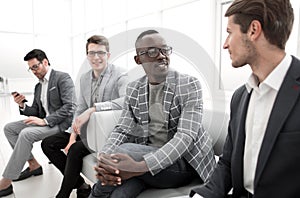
{"x":26,"y":135}
{"x":76,"y":151}
{"x":8,"y":129}
{"x":48,"y":145}
{"x":125,"y":148}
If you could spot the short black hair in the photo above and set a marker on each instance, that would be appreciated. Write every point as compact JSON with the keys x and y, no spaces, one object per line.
{"x":38,"y":54}
{"x":147,"y":32}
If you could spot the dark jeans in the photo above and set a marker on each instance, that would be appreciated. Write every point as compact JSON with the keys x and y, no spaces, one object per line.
{"x":70,"y":165}
{"x":178,"y":174}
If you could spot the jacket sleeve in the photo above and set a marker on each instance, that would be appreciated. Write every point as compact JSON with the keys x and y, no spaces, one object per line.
{"x":81,"y":103}
{"x":116,"y":103}
{"x":36,"y":108}
{"x":220,"y":182}
{"x":67,"y":99}
{"x":126,"y":124}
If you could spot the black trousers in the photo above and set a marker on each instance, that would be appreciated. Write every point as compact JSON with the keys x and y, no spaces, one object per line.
{"x":70,"y":165}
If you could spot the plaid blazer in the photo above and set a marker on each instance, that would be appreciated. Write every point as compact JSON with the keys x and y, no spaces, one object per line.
{"x":183,"y":118}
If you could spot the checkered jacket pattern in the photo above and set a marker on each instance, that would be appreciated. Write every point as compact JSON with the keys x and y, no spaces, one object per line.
{"x":183,"y":107}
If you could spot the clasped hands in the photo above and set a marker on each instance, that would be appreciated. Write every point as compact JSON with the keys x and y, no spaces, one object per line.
{"x":112,"y":169}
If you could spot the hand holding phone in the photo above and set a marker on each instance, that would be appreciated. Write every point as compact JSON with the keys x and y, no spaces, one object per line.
{"x":14,"y":92}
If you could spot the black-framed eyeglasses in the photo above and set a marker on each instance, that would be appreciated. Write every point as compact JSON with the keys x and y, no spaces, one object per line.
{"x":153,"y":52}
{"x":99,"y":53}
{"x":34,"y":67}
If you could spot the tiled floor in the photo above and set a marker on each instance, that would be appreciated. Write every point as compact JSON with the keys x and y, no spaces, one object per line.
{"x":44,"y":186}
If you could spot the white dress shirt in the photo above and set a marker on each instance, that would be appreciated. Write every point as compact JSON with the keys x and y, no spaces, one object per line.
{"x":44,"y":92}
{"x":259,"y":110}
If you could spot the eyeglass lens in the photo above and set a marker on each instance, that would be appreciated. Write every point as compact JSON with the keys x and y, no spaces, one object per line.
{"x":99,"y":53}
{"x":34,"y":67}
{"x":154,"y":52}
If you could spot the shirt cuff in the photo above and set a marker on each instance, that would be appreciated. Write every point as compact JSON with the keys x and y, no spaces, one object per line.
{"x":46,"y":121}
{"x":152,"y":164}
{"x":69,"y":130}
{"x":22,"y":109}
{"x":197,"y":196}
{"x":103,"y":106}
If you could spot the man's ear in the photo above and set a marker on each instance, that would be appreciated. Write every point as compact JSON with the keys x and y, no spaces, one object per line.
{"x":45,"y":62}
{"x":108,"y":55}
{"x":255,"y":29}
{"x":137,"y":60}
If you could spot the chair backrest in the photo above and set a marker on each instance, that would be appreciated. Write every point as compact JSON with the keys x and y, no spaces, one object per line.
{"x":102,"y":123}
{"x":100,"y":126}
{"x":216,"y":124}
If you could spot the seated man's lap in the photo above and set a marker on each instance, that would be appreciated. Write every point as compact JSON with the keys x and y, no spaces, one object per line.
{"x":178,"y":174}
{"x":57,"y":141}
{"x":136,"y":151}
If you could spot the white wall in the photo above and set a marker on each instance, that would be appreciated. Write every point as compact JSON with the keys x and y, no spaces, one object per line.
{"x":191,"y":17}
{"x":29,"y":24}
{"x":61,"y":27}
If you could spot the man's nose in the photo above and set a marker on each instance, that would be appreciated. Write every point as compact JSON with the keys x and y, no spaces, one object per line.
{"x":160,"y":55}
{"x":97,"y":56}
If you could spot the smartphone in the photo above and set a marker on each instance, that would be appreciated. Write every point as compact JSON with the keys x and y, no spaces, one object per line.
{"x":14,"y":92}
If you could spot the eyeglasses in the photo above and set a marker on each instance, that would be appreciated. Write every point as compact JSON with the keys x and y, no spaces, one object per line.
{"x":34,"y":67}
{"x":153,"y":52}
{"x":99,"y":53}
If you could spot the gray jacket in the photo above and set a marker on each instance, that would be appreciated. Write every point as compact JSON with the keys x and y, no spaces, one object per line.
{"x":111,"y":91}
{"x":61,"y":101}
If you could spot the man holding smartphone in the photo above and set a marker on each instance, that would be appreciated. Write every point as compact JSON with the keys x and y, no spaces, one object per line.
{"x":16,"y":94}
{"x":51,"y":112}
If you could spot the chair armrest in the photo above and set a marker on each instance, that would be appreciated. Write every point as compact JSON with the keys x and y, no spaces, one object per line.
{"x":100,"y":126}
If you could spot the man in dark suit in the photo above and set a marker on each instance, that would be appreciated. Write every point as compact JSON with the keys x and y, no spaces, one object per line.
{"x":261,"y":154}
{"x":51,"y":112}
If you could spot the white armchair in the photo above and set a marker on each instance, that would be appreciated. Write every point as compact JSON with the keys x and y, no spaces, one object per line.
{"x":102,"y":123}
{"x":99,"y":127}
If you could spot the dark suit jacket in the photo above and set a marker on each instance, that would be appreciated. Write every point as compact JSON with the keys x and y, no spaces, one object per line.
{"x":61,"y":101}
{"x":278,"y":167}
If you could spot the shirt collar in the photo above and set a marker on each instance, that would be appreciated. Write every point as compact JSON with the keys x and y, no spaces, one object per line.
{"x":47,"y":76}
{"x":274,"y":79}
{"x":101,"y":74}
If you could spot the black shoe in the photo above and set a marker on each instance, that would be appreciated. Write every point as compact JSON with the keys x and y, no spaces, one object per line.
{"x":83,"y":192}
{"x":6,"y":191}
{"x":27,"y":173}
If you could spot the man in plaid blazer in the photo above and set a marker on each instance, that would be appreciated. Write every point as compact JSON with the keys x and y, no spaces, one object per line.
{"x":159,"y":140}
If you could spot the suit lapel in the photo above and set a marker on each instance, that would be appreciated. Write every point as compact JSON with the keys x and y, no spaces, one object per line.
{"x":38,"y":98}
{"x":238,"y":157}
{"x":169,"y":91}
{"x":284,"y":102}
{"x":143,"y":96}
{"x":52,"y":79}
{"x":143,"y":101}
{"x":87,"y":89}
{"x":105,"y":78}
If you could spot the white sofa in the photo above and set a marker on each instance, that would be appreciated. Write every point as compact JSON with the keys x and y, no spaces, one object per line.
{"x":101,"y":124}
